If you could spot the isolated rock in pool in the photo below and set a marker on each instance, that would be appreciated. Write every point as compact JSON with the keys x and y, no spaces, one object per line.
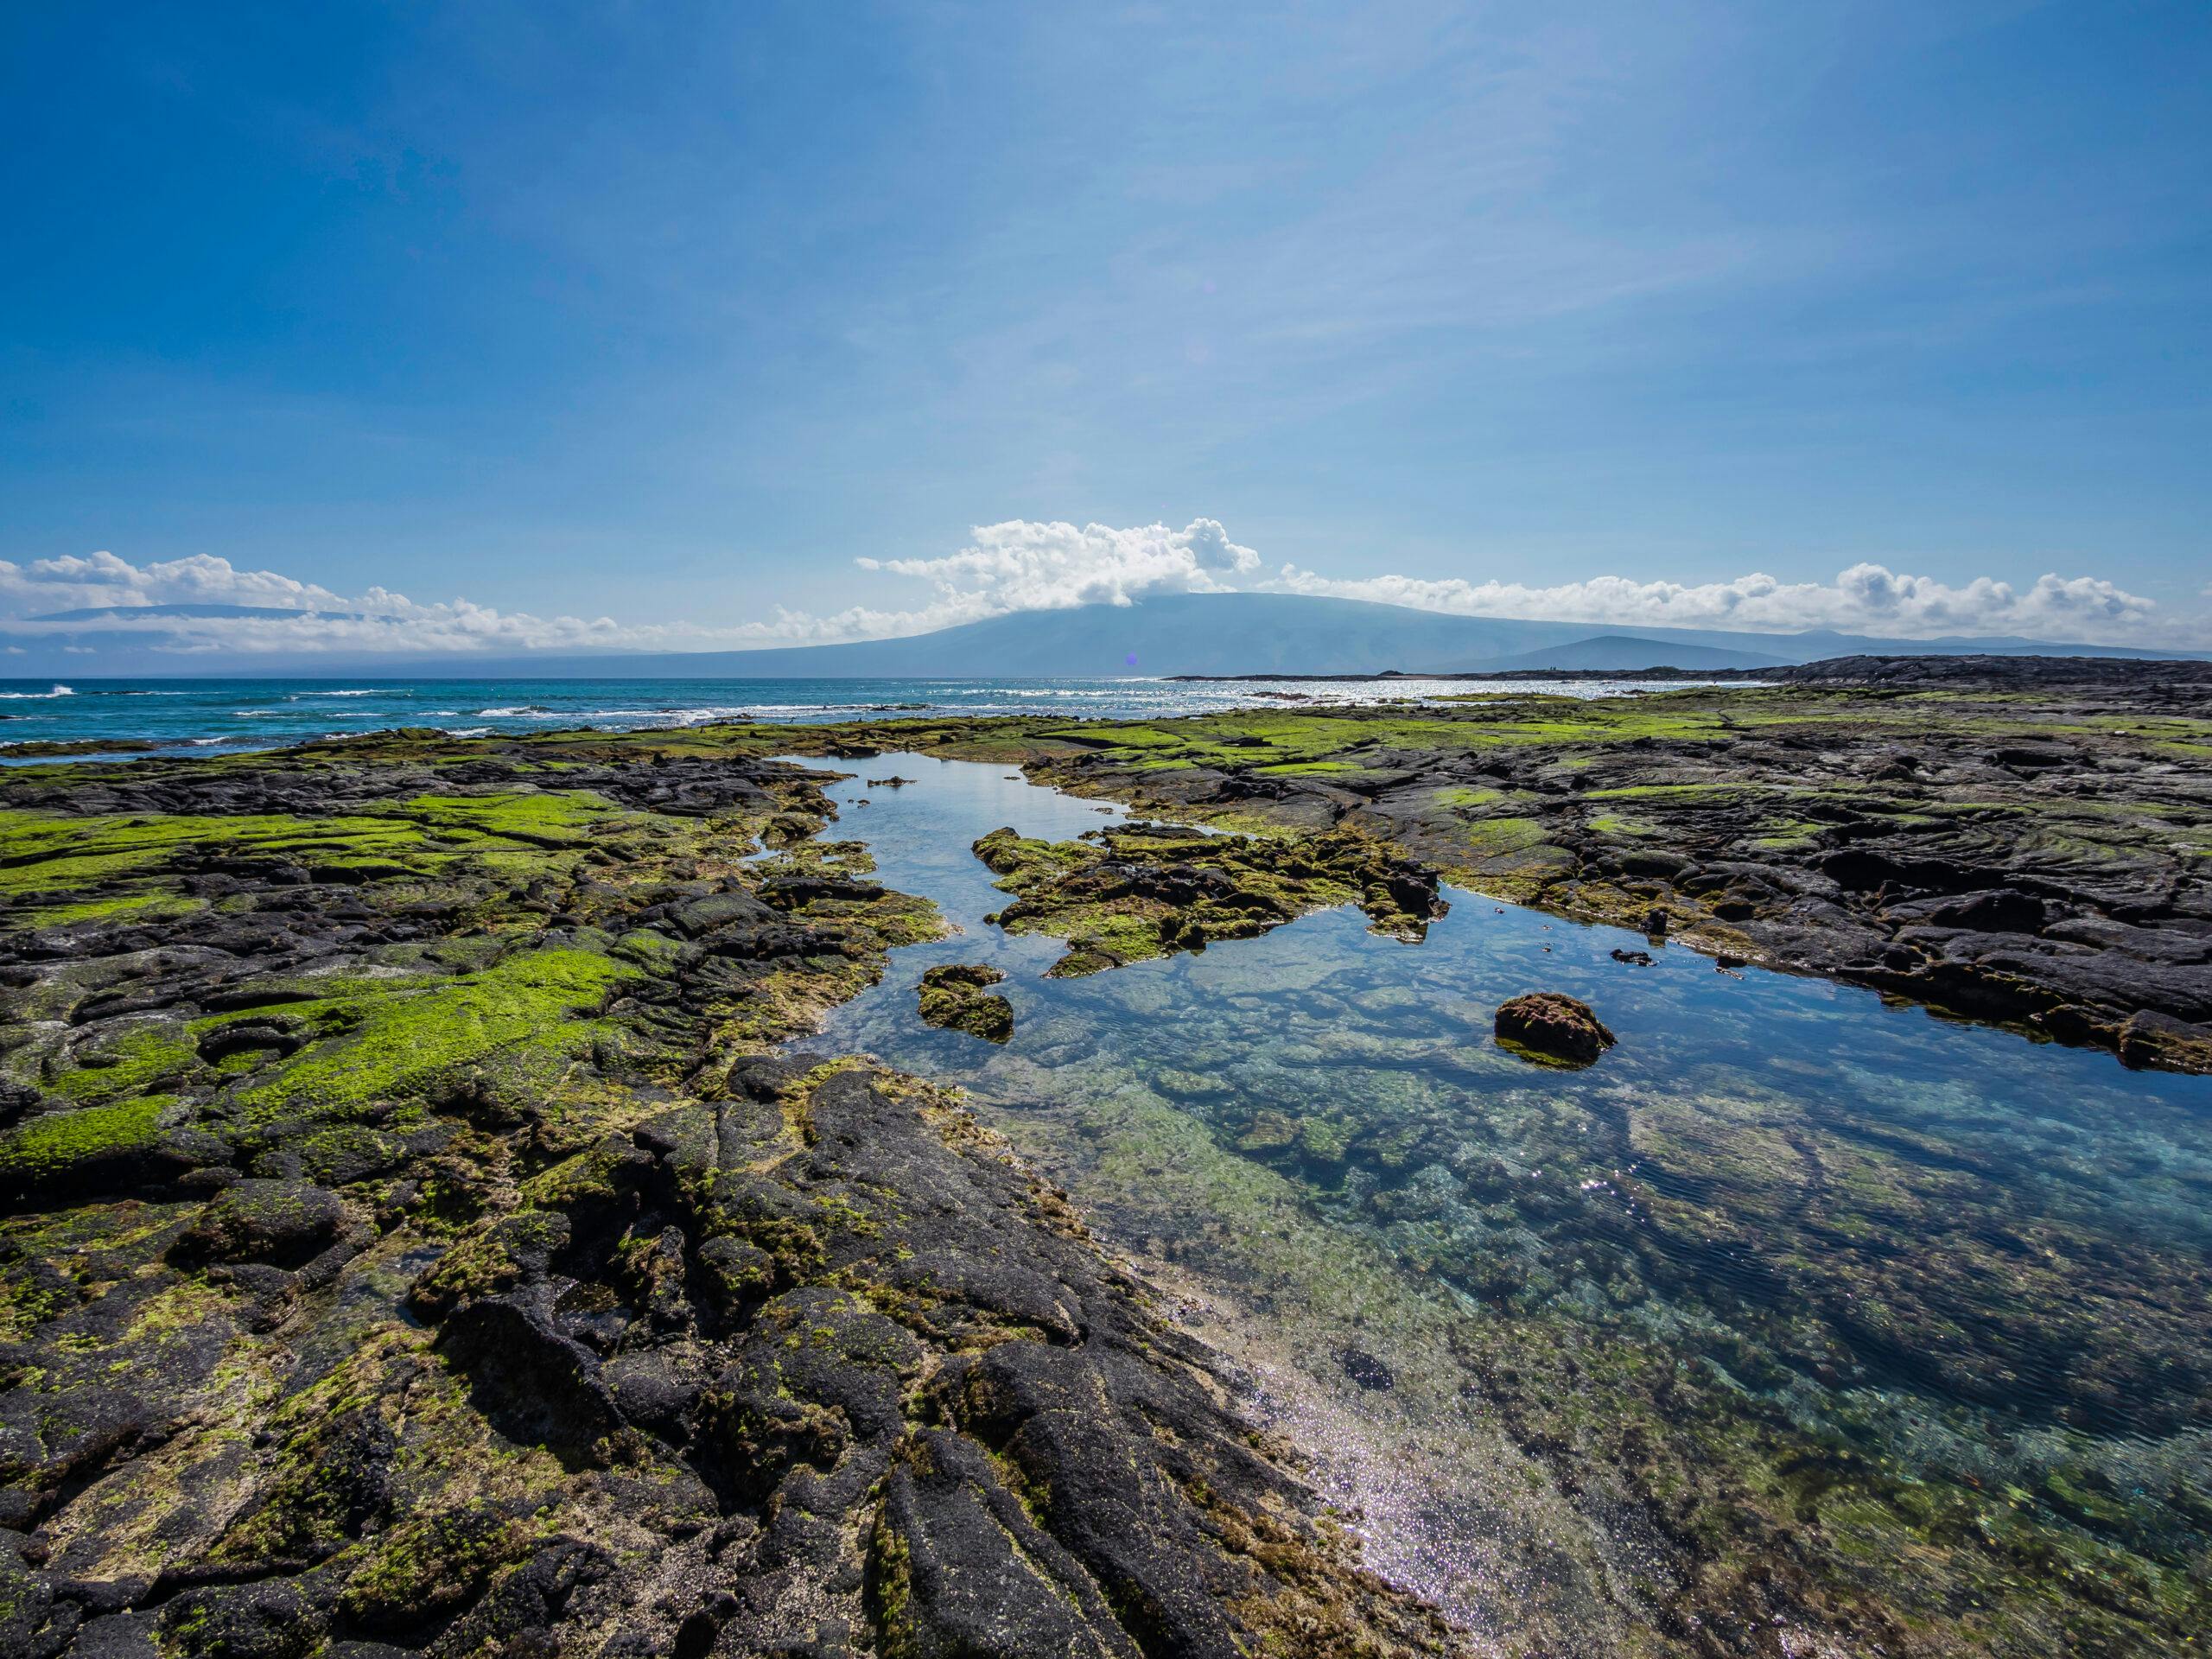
{"x":1555,"y":1026}
{"x":957,"y":997}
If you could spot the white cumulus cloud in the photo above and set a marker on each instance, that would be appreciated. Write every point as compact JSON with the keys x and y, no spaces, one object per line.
{"x":100,"y":580}
{"x":1021,"y":565}
{"x":296,"y":615}
{"x":1864,"y":599}
{"x":1014,"y":566}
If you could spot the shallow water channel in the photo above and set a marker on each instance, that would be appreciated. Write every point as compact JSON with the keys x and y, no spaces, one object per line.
{"x":1790,"y":1272}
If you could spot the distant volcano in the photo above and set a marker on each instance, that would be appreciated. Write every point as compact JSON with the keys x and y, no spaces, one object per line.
{"x":1174,"y":633}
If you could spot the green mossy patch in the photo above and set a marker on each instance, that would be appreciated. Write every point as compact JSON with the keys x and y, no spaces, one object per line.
{"x":55,"y":1143}
{"x":957,"y":997}
{"x":129,"y":1062}
{"x":132,"y":907}
{"x":521,"y":1022}
{"x":1136,"y":892}
{"x":423,"y":1571}
{"x":547,"y":818}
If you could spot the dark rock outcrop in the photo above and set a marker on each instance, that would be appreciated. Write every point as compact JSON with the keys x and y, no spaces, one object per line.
{"x":410,"y":1244}
{"x":1550,"y":1025}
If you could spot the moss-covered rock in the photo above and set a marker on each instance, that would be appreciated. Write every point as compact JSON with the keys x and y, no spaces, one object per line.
{"x":1552,"y":1027}
{"x":286,"y":1224}
{"x":957,"y":997}
{"x":1139,"y":891}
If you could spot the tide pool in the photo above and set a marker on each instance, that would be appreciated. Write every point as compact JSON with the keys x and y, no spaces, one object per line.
{"x":1793,"y":1295}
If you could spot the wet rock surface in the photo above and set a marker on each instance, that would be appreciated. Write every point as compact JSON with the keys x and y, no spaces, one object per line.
{"x":1551,"y":1026}
{"x":410,"y":1243}
{"x":957,"y":997}
{"x":1140,"y":891}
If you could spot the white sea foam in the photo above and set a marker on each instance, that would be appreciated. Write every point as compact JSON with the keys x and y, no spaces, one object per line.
{"x":658,"y":716}
{"x":703,"y":716}
{"x":37,"y":697}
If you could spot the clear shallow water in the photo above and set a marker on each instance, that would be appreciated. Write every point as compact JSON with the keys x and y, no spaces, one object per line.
{"x":244,"y":714}
{"x":1781,"y":1225}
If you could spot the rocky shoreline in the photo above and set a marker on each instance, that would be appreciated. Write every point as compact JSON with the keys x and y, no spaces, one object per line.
{"x":413,"y":1243}
{"x":413,"y":1237}
{"x":2023,"y":840}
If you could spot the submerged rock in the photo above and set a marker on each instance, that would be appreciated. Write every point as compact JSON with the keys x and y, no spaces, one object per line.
{"x":1551,"y":1026}
{"x":1369,"y":1372}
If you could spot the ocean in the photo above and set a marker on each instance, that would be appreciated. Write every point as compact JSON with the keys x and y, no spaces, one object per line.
{"x":159,"y":716}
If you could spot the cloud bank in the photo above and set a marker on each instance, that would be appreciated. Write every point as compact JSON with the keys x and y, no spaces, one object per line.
{"x":1864,"y":599}
{"x":38,"y":598}
{"x":1027,"y":565}
{"x":1015,"y":566}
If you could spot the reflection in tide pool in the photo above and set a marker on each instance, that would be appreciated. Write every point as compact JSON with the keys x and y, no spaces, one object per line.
{"x":1794,"y":1301}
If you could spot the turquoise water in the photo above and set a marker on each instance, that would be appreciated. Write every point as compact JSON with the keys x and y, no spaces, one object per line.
{"x":1939,"y":1296}
{"x":247,"y":714}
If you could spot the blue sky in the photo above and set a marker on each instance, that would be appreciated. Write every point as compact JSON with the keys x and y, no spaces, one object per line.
{"x":668,"y":315}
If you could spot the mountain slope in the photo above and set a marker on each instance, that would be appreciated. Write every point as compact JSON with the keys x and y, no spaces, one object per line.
{"x":1175,"y":633}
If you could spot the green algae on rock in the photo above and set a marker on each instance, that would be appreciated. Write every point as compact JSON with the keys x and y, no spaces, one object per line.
{"x":956,"y":996}
{"x":1140,"y":891}
{"x":407,"y":1243}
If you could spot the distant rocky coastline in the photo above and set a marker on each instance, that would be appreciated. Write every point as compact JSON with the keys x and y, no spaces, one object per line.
{"x":2010,"y":670}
